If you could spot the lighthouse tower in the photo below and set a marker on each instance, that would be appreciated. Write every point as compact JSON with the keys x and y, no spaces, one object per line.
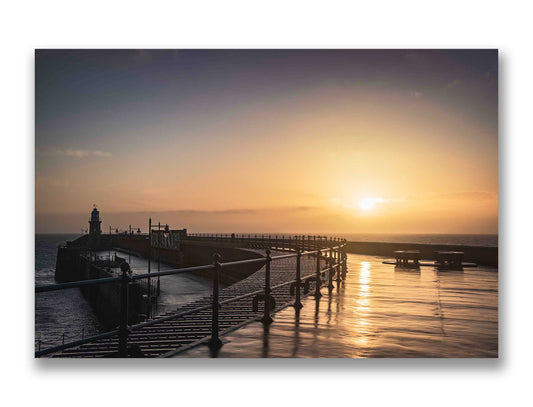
{"x":94,"y":223}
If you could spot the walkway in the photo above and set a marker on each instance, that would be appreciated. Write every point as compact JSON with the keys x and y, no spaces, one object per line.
{"x":380,"y":311}
{"x":186,"y":331}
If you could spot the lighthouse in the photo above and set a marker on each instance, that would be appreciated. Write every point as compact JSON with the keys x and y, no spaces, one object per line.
{"x":94,"y":223}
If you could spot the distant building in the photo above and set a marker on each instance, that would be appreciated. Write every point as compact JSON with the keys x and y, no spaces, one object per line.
{"x":168,"y":239}
{"x":94,"y":223}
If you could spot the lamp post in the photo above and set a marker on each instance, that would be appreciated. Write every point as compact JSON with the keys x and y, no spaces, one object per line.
{"x":166,"y":234}
{"x":158,"y":256}
{"x":149,"y":262}
{"x":129,"y":234}
{"x":133,"y":228}
{"x":109,"y":248}
{"x":109,"y":255}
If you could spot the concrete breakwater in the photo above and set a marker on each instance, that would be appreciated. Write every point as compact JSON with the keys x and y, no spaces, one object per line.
{"x":193,"y":253}
{"x":73,"y":264}
{"x":487,"y":256}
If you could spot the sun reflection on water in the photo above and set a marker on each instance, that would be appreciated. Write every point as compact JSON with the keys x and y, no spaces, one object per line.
{"x":362,"y":326}
{"x":378,"y":311}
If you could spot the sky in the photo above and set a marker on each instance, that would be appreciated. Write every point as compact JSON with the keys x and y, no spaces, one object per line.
{"x":300,"y":141}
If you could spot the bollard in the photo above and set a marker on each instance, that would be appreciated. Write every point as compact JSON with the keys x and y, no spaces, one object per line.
{"x":123,"y":327}
{"x":318,"y":278}
{"x":215,"y":342}
{"x":297,"y":301}
{"x":267,"y":319}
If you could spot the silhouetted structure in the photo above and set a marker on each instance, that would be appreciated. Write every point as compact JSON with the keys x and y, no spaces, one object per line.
{"x":94,"y":223}
{"x":449,"y":260}
{"x":403,"y":258}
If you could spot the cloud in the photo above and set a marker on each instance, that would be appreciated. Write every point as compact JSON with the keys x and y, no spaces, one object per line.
{"x":457,"y":196}
{"x":416,"y":94}
{"x":454,"y":84}
{"x":51,"y":182}
{"x":242,"y":211}
{"x":74,"y":153}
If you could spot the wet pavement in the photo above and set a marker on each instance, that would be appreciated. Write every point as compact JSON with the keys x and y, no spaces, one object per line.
{"x":381,"y":311}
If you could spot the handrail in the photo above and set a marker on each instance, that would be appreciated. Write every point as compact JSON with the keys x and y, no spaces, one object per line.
{"x":76,"y":343}
{"x":75,"y":284}
{"x":124,"y":330}
{"x":82,"y":283}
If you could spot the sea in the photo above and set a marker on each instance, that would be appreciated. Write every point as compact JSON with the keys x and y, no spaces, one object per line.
{"x":64,"y":316}
{"x":446,"y":239}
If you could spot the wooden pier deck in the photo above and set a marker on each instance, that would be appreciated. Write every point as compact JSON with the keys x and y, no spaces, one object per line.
{"x":172,"y":336}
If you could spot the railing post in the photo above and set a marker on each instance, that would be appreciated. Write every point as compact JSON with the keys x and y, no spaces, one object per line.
{"x":149,"y":263}
{"x":338,"y":266}
{"x":215,"y":342}
{"x":297,"y":301}
{"x":344,"y":262}
{"x":317,"y":275}
{"x":123,"y":331}
{"x":267,"y":319}
{"x":331,"y":270}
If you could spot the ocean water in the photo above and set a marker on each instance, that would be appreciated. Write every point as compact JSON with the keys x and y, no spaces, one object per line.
{"x":487,"y":240}
{"x":58,"y":313}
{"x":450,"y":239}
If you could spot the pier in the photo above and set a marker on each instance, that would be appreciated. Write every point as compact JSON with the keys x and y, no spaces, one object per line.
{"x":290,"y":268}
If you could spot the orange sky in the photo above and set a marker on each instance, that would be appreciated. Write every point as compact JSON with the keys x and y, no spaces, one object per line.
{"x":252,"y":159}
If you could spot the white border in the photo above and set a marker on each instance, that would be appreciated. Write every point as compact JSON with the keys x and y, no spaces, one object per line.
{"x":406,"y":24}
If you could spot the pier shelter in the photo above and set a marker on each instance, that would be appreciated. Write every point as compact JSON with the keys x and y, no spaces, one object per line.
{"x":449,"y":259}
{"x":407,"y":258}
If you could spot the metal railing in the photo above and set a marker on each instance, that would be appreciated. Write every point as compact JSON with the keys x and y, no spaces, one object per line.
{"x":304,"y":242}
{"x":336,"y":264}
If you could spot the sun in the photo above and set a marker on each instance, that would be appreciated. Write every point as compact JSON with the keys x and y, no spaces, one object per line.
{"x":367,"y":204}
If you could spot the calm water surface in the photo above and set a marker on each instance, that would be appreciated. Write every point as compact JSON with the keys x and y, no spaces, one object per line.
{"x":450,"y":239}
{"x":382,"y":311}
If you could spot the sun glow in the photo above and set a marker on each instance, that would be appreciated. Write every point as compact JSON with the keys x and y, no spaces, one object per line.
{"x":367,"y":204}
